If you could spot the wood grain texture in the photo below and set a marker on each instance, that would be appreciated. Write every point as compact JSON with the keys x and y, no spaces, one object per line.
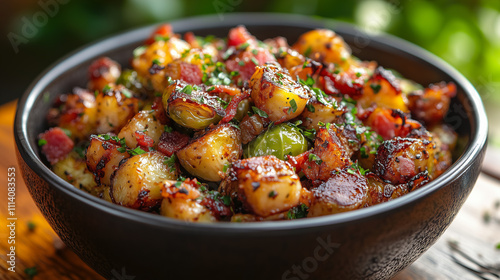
{"x":475,"y":232}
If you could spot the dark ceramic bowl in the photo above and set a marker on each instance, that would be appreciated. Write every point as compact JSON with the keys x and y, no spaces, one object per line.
{"x":372,"y":243}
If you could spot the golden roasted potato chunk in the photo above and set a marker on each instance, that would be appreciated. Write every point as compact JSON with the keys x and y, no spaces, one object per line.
{"x":135,"y":183}
{"x":181,"y":200}
{"x":114,"y":109}
{"x":206,"y":156}
{"x":143,"y":122}
{"x":103,"y":158}
{"x":267,"y":185}
{"x":74,"y":171}
{"x":277,"y":94}
{"x":323,"y":45}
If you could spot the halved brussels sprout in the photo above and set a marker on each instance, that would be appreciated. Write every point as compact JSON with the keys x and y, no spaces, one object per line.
{"x":280,"y":140}
{"x":191,"y":107}
{"x":206,"y":156}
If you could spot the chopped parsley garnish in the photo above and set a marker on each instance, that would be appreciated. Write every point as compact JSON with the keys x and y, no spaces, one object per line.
{"x":211,"y":88}
{"x":376,"y":88}
{"x":42,"y":142}
{"x":31,"y":272}
{"x":127,"y":93}
{"x":355,"y":168}
{"x":297,"y":212}
{"x":226,"y":166}
{"x":31,"y":225}
{"x":243,"y":46}
{"x":156,"y":61}
{"x":187,"y":89}
{"x":315,"y":158}
{"x":226,"y":199}
{"x":310,"y":108}
{"x":106,"y":89}
{"x":241,"y":63}
{"x":254,"y":60}
{"x":308,"y":51}
{"x":161,"y":38}
{"x":139,"y":51}
{"x":293,"y":106}
{"x":178,"y":184}
{"x":272,"y":194}
{"x":255,"y":51}
{"x":259,"y":112}
{"x":170,"y":162}
{"x":136,"y":151}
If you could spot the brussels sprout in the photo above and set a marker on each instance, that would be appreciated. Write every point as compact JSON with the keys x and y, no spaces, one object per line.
{"x":191,"y":107}
{"x":280,"y":140}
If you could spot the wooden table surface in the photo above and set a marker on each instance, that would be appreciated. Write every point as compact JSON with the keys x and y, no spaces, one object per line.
{"x":465,"y":251}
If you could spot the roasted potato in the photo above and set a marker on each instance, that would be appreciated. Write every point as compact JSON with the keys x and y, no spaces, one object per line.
{"x":208,"y":155}
{"x":143,"y":122}
{"x":136,"y":182}
{"x":323,"y":45}
{"x":114,"y":109}
{"x":267,"y":185}
{"x":277,"y":94}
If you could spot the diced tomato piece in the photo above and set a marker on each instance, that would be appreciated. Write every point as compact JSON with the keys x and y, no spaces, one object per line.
{"x":343,"y":82}
{"x":56,"y":145}
{"x":170,"y":142}
{"x":238,"y":36}
{"x":390,"y":123}
{"x":144,"y":140}
{"x":164,"y":30}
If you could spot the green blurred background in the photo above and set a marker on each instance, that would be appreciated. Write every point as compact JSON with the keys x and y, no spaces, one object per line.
{"x":465,"y":33}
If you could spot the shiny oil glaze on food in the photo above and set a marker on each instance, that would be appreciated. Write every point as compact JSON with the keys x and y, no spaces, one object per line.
{"x":205,"y":129}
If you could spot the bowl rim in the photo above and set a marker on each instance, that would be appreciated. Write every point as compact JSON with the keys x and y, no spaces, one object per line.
{"x":476,"y":143}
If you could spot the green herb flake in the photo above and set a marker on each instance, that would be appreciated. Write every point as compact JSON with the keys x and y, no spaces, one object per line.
{"x":31,"y":225}
{"x":241,"y":63}
{"x":498,"y":246}
{"x":136,"y":151}
{"x":211,"y":88}
{"x":226,"y":166}
{"x":272,"y":194}
{"x":106,"y":89}
{"x":255,"y":51}
{"x":308,"y":51}
{"x":139,"y":51}
{"x":156,"y":61}
{"x":167,"y":128}
{"x":244,"y":46}
{"x":315,"y":158}
{"x":254,"y":60}
{"x":178,"y":184}
{"x":293,"y":106}
{"x":31,"y":272}
{"x":259,"y":112}
{"x":226,"y":199}
{"x":310,"y":108}
{"x":187,"y":89}
{"x":121,"y":149}
{"x":376,"y":88}
{"x":127,"y":93}
{"x":42,"y":142}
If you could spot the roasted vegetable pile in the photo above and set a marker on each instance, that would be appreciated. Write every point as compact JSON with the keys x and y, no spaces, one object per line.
{"x":205,"y":129}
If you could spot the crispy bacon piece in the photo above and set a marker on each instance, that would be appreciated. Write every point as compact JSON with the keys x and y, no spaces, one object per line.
{"x":343,"y":82}
{"x":431,"y":104}
{"x":190,"y":73}
{"x":56,"y":145}
{"x":171,"y":142}
{"x":188,"y":189}
{"x":218,"y":209}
